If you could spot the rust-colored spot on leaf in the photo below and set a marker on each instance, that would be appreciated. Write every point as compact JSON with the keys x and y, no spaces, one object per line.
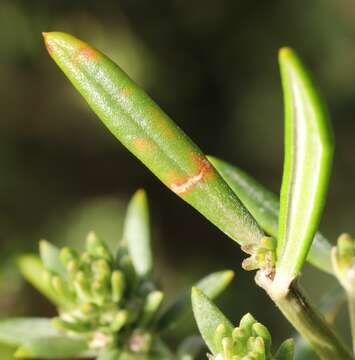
{"x":187,"y":184}
{"x":88,"y":53}
{"x":162,"y":124}
{"x":126,"y":91}
{"x":143,"y":145}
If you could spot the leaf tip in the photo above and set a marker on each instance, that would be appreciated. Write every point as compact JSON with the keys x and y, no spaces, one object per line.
{"x":229,"y":275}
{"x":21,"y":354}
{"x":140,"y":195}
{"x":286,"y":52}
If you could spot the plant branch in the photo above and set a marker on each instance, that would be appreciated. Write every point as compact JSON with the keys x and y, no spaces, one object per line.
{"x":307,"y":320}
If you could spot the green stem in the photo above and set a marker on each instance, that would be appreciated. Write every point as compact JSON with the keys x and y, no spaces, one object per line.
{"x":351,"y":304}
{"x":307,"y":320}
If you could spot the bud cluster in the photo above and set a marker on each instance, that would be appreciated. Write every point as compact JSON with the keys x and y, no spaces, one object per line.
{"x":249,"y":341}
{"x":262,"y":256}
{"x":343,"y":259}
{"x":104,"y":299}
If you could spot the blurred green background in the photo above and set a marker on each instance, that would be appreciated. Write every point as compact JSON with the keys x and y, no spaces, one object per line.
{"x":212,"y":65}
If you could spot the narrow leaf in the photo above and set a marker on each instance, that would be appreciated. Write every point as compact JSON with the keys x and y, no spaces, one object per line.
{"x":308,"y":158}
{"x":145,"y":130}
{"x":49,"y":254}
{"x":33,"y":271}
{"x":208,"y":317}
{"x":286,"y":350}
{"x":137,"y":233}
{"x":53,"y":348}
{"x":16,"y":331}
{"x":212,"y":285}
{"x":264,"y":207}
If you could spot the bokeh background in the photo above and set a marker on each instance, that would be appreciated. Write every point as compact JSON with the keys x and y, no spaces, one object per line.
{"x":212,"y":65}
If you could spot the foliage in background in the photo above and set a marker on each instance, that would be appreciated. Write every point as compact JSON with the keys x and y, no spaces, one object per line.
{"x":108,"y":303}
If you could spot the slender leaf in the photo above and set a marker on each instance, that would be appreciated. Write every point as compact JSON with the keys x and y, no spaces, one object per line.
{"x":137,"y":233}
{"x":212,"y":285}
{"x":286,"y":350}
{"x":32,"y":269}
{"x":145,"y":130}
{"x":49,"y":254}
{"x":264,"y":207}
{"x":208,"y":317}
{"x":308,"y":158}
{"x":16,"y":331}
{"x":53,"y":348}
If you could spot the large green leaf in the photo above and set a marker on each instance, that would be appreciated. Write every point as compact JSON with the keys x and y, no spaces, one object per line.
{"x":136,"y":233}
{"x":145,"y":130}
{"x":264,"y":206}
{"x":212,"y":285}
{"x":209,"y":318}
{"x":308,"y":158}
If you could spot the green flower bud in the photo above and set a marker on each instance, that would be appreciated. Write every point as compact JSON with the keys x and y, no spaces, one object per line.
{"x":97,"y":248}
{"x":117,"y":285}
{"x":152,"y":305}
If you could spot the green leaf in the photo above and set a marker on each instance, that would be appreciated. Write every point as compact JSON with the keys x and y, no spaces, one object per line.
{"x":33,"y":271}
{"x":16,"y":331}
{"x":212,"y":285}
{"x":137,"y":234}
{"x":264,"y":207}
{"x":50,"y":258}
{"x":208,"y":317}
{"x":308,"y":158}
{"x":286,"y":350}
{"x":145,"y":130}
{"x":36,"y":337}
{"x":53,"y":348}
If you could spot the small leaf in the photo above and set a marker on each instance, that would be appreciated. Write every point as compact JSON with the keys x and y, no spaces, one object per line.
{"x":308,"y":158}
{"x":286,"y":350}
{"x":33,"y":271}
{"x":208,"y":317}
{"x":212,"y":285}
{"x":145,"y":130}
{"x":16,"y":331}
{"x":137,"y":234}
{"x":53,"y":348}
{"x":264,"y":207}
{"x":50,"y":258}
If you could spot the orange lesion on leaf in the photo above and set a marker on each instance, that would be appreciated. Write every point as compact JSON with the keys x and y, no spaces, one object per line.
{"x":126,"y":92}
{"x":184,"y":185}
{"x":161,"y":123}
{"x":88,"y":53}
{"x":143,"y":145}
